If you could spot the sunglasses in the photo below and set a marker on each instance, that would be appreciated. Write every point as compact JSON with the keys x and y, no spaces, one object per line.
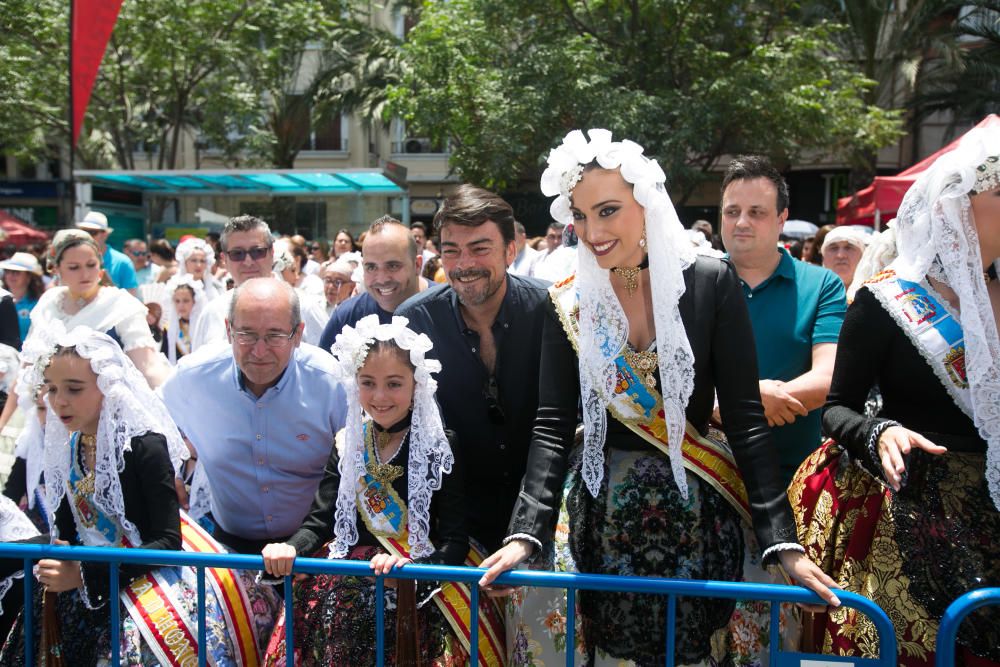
{"x":239,"y":254}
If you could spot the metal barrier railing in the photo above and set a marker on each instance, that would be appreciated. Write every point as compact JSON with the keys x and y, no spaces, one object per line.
{"x":944,"y":649}
{"x":572,"y":582}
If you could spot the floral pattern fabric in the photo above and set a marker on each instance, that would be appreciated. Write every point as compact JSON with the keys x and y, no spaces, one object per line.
{"x":912,"y":553}
{"x":639,"y":525}
{"x":334,"y":622}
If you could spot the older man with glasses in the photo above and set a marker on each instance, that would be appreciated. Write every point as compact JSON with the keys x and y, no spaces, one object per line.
{"x":261,"y":416}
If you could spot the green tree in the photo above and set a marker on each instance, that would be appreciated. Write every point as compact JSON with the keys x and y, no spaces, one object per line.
{"x":965,"y":81}
{"x":896,"y":45}
{"x":691,"y":81}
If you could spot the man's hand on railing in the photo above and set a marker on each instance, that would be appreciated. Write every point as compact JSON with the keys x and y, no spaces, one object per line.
{"x":806,"y":573}
{"x":278,"y":559}
{"x":58,"y":576}
{"x":503,"y":559}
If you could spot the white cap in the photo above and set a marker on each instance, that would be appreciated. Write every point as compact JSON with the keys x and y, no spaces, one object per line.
{"x":848,"y":233}
{"x":94,"y":220}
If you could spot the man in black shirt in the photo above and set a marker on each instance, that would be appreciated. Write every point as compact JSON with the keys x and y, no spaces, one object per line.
{"x":391,"y":263}
{"x":487,"y":327}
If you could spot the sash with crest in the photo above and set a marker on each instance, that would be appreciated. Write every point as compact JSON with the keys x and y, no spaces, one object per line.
{"x":385,"y":515}
{"x":640,"y":408}
{"x":931,"y":326}
{"x":152,"y":599}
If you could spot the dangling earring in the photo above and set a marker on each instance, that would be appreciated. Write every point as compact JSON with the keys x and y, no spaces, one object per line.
{"x":642,"y":241}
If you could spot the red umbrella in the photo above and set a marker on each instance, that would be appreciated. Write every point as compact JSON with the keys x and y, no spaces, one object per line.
{"x":18,"y":233}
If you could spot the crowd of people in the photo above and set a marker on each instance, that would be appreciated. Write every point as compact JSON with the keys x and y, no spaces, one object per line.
{"x":626,"y":400}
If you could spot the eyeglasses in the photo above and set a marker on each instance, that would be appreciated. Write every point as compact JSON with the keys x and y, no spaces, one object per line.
{"x":336,"y":282}
{"x":272,"y":340}
{"x":492,"y":394}
{"x":239,"y":254}
{"x":137,"y":253}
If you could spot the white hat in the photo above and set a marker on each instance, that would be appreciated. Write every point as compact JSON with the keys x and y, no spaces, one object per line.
{"x":22,"y":261}
{"x":848,"y":233}
{"x":94,"y":220}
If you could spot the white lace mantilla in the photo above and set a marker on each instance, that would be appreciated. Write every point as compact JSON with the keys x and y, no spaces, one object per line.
{"x":604,"y":328}
{"x":129,"y":409}
{"x":430,"y":454}
{"x":936,"y":236}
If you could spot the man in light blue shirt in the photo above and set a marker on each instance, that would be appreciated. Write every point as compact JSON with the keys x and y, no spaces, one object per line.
{"x":262,"y":414}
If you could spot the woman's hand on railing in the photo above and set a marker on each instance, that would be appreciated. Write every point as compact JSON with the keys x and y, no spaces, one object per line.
{"x":382,"y":564}
{"x":278,"y":559}
{"x":59,"y":576}
{"x":503,"y":559}
{"x":894,"y":444}
{"x":806,"y":573}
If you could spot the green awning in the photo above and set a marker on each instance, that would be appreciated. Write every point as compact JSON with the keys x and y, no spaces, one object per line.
{"x":274,"y":182}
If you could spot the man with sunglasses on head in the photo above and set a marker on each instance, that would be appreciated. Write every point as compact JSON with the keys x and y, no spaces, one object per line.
{"x":249,"y":249}
{"x":261,"y":415}
{"x":486,"y":325}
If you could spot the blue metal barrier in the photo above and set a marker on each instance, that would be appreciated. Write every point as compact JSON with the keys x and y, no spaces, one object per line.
{"x":572,"y":582}
{"x":944,"y":650}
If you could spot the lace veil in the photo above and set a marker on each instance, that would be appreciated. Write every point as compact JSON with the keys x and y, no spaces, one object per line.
{"x":185,"y":250}
{"x":129,"y":409}
{"x":14,"y":525}
{"x":174,"y":326}
{"x":603,"y":325}
{"x":430,"y":454}
{"x":936,"y":236}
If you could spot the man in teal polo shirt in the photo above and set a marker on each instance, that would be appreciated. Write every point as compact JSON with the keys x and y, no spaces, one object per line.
{"x":796,"y":308}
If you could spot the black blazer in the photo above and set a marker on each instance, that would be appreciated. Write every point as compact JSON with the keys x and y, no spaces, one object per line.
{"x":718,"y":327}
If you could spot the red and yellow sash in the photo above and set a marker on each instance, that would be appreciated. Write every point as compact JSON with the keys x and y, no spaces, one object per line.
{"x":710,"y":460}
{"x":168,"y":630}
{"x":455,"y":602}
{"x":385,"y":515}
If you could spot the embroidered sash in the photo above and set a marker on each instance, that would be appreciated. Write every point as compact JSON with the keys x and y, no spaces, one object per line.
{"x":151,"y":599}
{"x":930,"y":325}
{"x":384,"y":512}
{"x":640,"y":408}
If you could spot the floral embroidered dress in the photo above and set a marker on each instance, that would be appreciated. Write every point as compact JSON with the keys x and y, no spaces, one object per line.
{"x":334,"y":621}
{"x":638,"y":523}
{"x":915,"y":551}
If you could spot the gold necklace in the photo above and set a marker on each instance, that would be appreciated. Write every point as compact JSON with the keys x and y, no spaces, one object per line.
{"x":630,"y":274}
{"x":645,"y":363}
{"x":85,"y":486}
{"x":386,"y":473}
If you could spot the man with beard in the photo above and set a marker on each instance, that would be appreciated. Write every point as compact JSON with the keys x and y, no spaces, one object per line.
{"x":486,"y":326}
{"x":391,"y":264}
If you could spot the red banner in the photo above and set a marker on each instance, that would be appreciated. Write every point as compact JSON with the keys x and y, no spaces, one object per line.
{"x":93,"y":21}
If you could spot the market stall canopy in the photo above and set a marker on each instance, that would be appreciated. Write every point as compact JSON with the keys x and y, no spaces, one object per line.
{"x":272,"y":182}
{"x":885,"y":194}
{"x":18,"y":233}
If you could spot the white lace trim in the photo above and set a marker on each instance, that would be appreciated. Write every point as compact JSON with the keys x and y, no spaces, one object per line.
{"x":173,"y":319}
{"x":783,"y":546}
{"x":13,"y":526}
{"x":129,"y":409}
{"x":937,"y":237}
{"x":184,"y":251}
{"x":430,"y":455}
{"x":527,"y":538}
{"x":603,"y":326}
